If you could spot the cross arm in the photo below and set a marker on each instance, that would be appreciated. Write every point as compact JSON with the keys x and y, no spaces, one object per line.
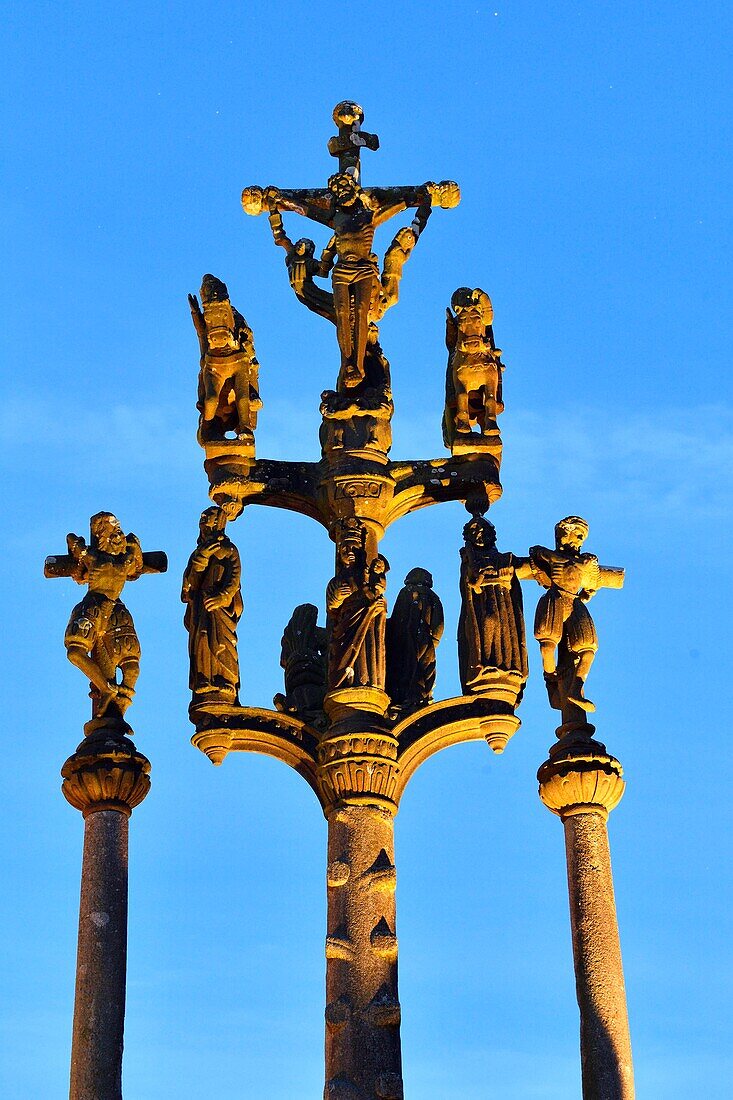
{"x":611,"y":576}
{"x":388,"y":201}
{"x":313,"y":202}
{"x":65,"y":565}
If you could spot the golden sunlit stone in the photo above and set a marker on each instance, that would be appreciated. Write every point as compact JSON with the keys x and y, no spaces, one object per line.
{"x":357,"y":716}
{"x":105,"y":779}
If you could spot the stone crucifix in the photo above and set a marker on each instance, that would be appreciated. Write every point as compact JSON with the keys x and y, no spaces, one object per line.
{"x":563,"y":625}
{"x":358,"y":717}
{"x":353,"y":213}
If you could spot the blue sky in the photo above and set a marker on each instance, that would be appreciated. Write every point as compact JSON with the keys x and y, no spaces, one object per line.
{"x":592,"y":145}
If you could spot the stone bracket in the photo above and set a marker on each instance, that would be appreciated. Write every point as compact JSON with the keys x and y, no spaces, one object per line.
{"x":383,"y":494}
{"x":451,"y":722}
{"x":363,"y":762}
{"x":222,"y":728}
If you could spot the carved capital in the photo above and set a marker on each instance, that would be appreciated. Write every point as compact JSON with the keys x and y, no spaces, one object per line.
{"x":106,"y":773}
{"x":582,"y":782}
{"x":358,"y":767}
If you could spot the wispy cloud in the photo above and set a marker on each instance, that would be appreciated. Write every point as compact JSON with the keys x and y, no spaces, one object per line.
{"x":651,"y":463}
{"x":659,"y":464}
{"x":667,"y":463}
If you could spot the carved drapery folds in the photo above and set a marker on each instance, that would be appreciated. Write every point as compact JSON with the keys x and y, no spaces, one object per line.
{"x":303,"y":659}
{"x":492,"y":652}
{"x":357,"y":617}
{"x":212,"y":594}
{"x":413,"y":631}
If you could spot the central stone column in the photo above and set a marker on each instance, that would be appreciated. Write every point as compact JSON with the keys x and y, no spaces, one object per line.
{"x":358,"y":779}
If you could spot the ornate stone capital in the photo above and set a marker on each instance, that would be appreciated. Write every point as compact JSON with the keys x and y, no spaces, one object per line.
{"x":581,"y":782}
{"x":358,"y":767}
{"x":106,"y":773}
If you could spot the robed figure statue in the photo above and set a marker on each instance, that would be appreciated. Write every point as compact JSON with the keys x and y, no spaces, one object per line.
{"x":413,"y":631}
{"x":212,"y":594}
{"x":357,"y":615}
{"x":491,"y":634}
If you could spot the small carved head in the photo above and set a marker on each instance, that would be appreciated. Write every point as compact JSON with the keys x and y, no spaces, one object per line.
{"x":253,"y":200}
{"x":380,"y":566}
{"x":344,"y":188}
{"x":475,"y":300}
{"x":571,"y":533}
{"x":480,"y":532}
{"x":304,"y":247}
{"x":213,"y":521}
{"x":350,"y":540}
{"x":213,"y":290}
{"x":347,"y":113}
{"x":218,"y":312}
{"x":106,"y":533}
{"x":419,"y":578}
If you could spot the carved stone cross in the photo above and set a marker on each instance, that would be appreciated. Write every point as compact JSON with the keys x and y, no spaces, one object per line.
{"x":351,"y":139}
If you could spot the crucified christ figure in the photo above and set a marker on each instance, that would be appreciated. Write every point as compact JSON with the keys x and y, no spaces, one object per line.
{"x":352,"y":213}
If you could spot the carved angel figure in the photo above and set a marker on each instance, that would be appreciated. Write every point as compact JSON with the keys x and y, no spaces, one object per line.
{"x":413,"y":631}
{"x":100,"y":637}
{"x":228,"y":399}
{"x":491,"y":635}
{"x":212,"y":594}
{"x":473,"y":390}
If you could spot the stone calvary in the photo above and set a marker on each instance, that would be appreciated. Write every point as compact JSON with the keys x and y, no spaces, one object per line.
{"x":357,"y":713}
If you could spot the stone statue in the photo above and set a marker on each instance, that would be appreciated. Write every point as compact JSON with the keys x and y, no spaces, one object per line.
{"x":492,"y":650}
{"x":395,"y":258}
{"x":101,"y":637}
{"x":357,"y":613}
{"x":358,"y":421}
{"x":351,"y":139}
{"x":302,"y":267}
{"x":212,"y":594}
{"x":563,"y":626}
{"x":413,"y":631}
{"x":228,"y":399}
{"x":303,"y":658}
{"x":353,"y":214}
{"x":473,"y":378}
